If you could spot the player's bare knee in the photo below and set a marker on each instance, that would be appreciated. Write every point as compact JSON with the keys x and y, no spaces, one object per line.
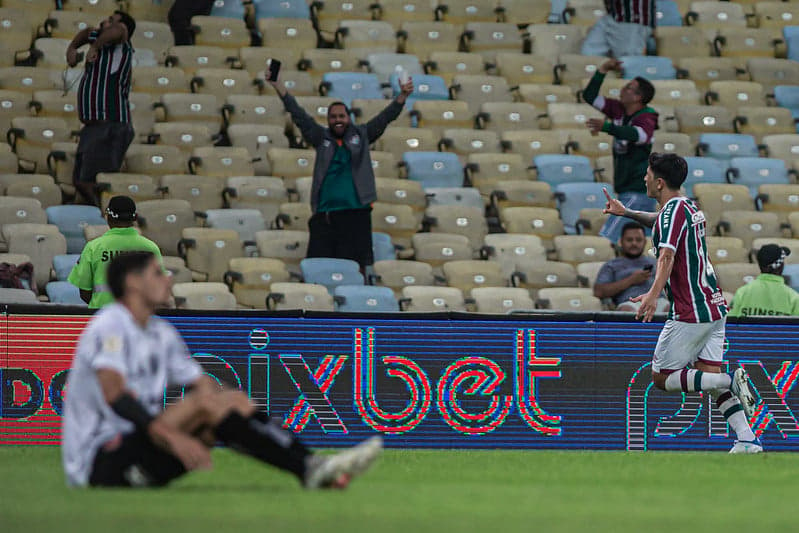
{"x":659,"y":380}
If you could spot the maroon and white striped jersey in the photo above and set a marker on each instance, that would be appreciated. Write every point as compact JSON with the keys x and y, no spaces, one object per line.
{"x":636,"y":11}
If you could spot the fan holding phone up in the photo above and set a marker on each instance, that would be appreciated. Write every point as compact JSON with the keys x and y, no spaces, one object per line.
{"x":343,"y":186}
{"x":629,"y":275}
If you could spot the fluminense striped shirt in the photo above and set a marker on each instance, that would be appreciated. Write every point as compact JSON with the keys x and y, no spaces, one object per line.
{"x":635,"y":11}
{"x":105,"y":85}
{"x":692,"y":287}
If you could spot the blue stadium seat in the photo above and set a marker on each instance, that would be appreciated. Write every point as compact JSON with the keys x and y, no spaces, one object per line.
{"x":330,"y":272}
{"x":756,"y":171}
{"x":791,"y":36}
{"x":704,"y":170}
{"x":62,"y":265}
{"x":572,"y":197}
{"x":649,"y":67}
{"x":63,"y":292}
{"x":382,"y":247}
{"x":295,"y":9}
{"x":788,"y":96}
{"x":233,"y":9}
{"x":425,"y":87}
{"x":466,"y":196}
{"x":365,"y":299}
{"x":434,"y":169}
{"x":668,"y":13}
{"x":71,"y":220}
{"x":561,"y":168}
{"x":727,"y":145}
{"x":791,"y":273}
{"x":346,"y":86}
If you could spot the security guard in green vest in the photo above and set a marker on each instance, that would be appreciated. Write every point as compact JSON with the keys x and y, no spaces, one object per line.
{"x":89,"y":275}
{"x":767,"y":295}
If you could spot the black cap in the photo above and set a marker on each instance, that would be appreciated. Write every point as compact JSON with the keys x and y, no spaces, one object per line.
{"x":122,"y":209}
{"x":772,"y":256}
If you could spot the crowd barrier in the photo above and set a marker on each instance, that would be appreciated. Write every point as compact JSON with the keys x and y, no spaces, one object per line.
{"x":449,"y":380}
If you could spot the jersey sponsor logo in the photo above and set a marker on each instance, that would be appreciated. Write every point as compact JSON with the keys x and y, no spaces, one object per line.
{"x":109,"y":255}
{"x":112,"y":344}
{"x":697,"y":218}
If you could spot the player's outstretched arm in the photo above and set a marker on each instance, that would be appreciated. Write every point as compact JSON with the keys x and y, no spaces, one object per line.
{"x":378,"y":124}
{"x":614,"y":207}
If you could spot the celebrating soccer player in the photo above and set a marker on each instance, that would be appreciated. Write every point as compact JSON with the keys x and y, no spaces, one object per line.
{"x":694,"y":332}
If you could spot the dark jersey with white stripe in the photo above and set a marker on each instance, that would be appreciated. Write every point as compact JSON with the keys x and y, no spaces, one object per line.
{"x":105,"y":86}
{"x":692,"y":287}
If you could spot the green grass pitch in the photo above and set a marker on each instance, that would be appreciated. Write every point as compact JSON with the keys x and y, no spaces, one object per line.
{"x":420,"y":490}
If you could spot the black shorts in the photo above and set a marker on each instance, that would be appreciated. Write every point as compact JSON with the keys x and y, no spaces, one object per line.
{"x":137,"y":462}
{"x":343,"y":234}
{"x":101,"y":148}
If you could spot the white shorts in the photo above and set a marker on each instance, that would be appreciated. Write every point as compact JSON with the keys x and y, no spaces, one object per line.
{"x":681,"y":344}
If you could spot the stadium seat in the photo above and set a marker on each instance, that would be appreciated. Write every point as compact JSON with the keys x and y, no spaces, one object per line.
{"x":14,"y":259}
{"x":726,"y":250}
{"x":465,"y":11}
{"x":331,"y":272}
{"x":743,"y":43}
{"x":364,"y":37}
{"x":257,"y":139}
{"x":202,"y":192}
{"x":189,"y":58}
{"x":676,"y":92}
{"x":756,"y":171}
{"x":62,"y":24}
{"x":319,"y":61}
{"x":501,"y":300}
{"x":30,"y":78}
{"x":93,"y":231}
{"x":748,"y":225}
{"x":574,"y":69}
{"x":678,"y":42}
{"x":228,"y":9}
{"x":399,"y":221}
{"x":762,"y":121}
{"x":583,"y":142}
{"x":557,"y":169}
{"x":570,"y":115}
{"x":518,"y":68}
{"x":401,"y":191}
{"x":262,"y":110}
{"x":289,"y":163}
{"x":544,"y":222}
{"x":250,"y":279}
{"x":712,"y":16}
{"x":31,"y":139}
{"x":63,"y":293}
{"x":289,"y":246}
{"x":365,"y":299}
{"x":511,"y":250}
{"x":667,"y":13}
{"x":246,"y":222}
{"x":479,"y":89}
{"x":256,"y":192}
{"x":466,"y":221}
{"x":704,"y":170}
{"x":568,"y":299}
{"x":203,"y":108}
{"x":785,"y":146}
{"x":465,"y":141}
{"x":725,"y":146}
{"x":60,"y":165}
{"x":705,"y":70}
{"x":382,"y":247}
{"x":224,"y":81}
{"x":439,"y":248}
{"x":465,"y":196}
{"x":70,"y":220}
{"x":501,"y":116}
{"x":38,"y":186}
{"x":397,"y":273}
{"x":776,"y":14}
{"x":163,"y":222}
{"x":770,"y":72}
{"x":21,"y":210}
{"x":384,"y":65}
{"x":531,"y":144}
{"x":40,"y":242}
{"x":489,"y":38}
{"x":306,"y":296}
{"x":577,"y":249}
{"x":447,"y":65}
{"x":63,"y":264}
{"x":425,"y":87}
{"x":401,"y":11}
{"x":401,"y":141}
{"x":698,"y":119}
{"x":207,"y":251}
{"x":17,"y":296}
{"x":345,"y":86}
{"x":779,"y":199}
{"x":787,"y":96}
{"x":293,"y":215}
{"x":184,"y":135}
{"x":541,"y":94}
{"x":588,"y":272}
{"x":219,"y":31}
{"x":485,"y":171}
{"x":203,"y":296}
{"x":431,"y":299}
{"x":468,"y":274}
{"x":715,"y":198}
{"x":155,"y":36}
{"x":544,"y":274}
{"x":221,"y":161}
{"x":266,"y":9}
{"x":574,"y":197}
{"x":554,"y":40}
{"x":649,"y":67}
{"x":142,"y":114}
{"x":13,"y":104}
{"x":177,"y":268}
{"x":732,"y":276}
{"x":524,"y":12}
{"x":159,"y":80}
{"x":154,"y":160}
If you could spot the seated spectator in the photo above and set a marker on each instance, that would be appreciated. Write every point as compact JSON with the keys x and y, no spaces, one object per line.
{"x":629,"y":275}
{"x":767,"y":295}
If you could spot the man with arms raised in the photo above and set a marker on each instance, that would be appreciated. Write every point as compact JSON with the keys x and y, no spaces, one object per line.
{"x":694,"y":331}
{"x":115,"y":430}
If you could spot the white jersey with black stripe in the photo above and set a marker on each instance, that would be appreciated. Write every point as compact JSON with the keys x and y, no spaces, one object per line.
{"x":148,"y":358}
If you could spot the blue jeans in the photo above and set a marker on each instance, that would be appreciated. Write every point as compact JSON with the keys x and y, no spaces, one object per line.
{"x":636,"y":201}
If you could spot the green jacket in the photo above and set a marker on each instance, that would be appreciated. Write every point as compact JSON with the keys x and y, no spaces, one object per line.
{"x":766,"y":295}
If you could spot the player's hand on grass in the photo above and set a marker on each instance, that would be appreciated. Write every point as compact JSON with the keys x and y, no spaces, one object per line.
{"x":648,"y":306}
{"x":613,"y":206}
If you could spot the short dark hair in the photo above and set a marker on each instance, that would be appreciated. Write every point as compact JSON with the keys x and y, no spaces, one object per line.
{"x":630,"y":226}
{"x":671,"y":168}
{"x":128,"y":21}
{"x":645,"y":89}
{"x":338,"y":102}
{"x":123,"y":264}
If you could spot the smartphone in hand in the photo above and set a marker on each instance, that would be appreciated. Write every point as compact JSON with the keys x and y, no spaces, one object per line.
{"x":649,"y":267}
{"x":274,"y":70}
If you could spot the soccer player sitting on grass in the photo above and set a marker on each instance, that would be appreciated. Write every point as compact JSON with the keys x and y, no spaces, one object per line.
{"x":694,"y":331}
{"x":115,"y":430}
